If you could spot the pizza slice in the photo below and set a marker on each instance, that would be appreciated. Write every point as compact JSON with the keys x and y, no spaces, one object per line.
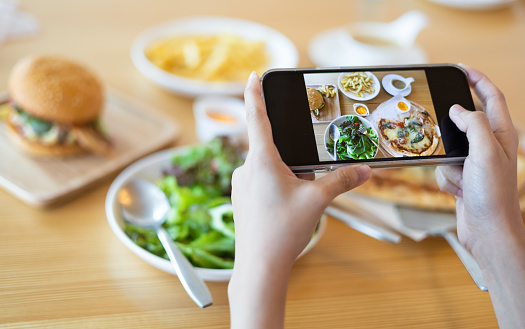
{"x":414,"y":135}
{"x":417,"y":187}
{"x":412,"y":187}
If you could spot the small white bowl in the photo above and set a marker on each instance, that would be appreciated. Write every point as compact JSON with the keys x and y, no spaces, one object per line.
{"x":281,"y":50}
{"x":220,"y":116}
{"x":356,"y":105}
{"x":404,"y":101}
{"x":150,"y":168}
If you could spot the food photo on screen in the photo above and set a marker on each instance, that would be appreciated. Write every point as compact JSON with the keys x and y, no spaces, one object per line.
{"x":373,"y":115}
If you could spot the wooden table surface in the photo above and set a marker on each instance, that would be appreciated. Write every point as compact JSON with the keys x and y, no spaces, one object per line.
{"x":64,"y":268}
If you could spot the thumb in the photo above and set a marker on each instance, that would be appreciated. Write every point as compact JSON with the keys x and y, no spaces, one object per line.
{"x":460,"y":117}
{"x":343,"y":180}
{"x":477,"y":127}
{"x":259,"y":129}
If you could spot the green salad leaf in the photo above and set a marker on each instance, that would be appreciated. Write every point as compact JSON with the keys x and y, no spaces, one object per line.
{"x":353,"y":145}
{"x":200,"y":222}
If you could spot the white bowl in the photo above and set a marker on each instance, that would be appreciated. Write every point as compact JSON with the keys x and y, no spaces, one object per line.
{"x":406,"y":102}
{"x":356,"y":105}
{"x":208,"y":128}
{"x":367,"y":97}
{"x":282,"y":51}
{"x":338,"y":121}
{"x":150,"y":168}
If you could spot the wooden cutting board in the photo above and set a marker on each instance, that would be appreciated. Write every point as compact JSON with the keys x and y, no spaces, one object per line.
{"x":134,"y":129}
{"x":332,"y":108}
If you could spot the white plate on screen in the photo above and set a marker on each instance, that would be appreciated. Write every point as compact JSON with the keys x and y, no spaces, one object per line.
{"x":386,"y":85}
{"x":387,"y":110}
{"x":367,"y":96}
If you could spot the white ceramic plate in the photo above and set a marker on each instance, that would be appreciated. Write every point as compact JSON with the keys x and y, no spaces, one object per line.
{"x":282,"y":51}
{"x":386,"y":85}
{"x":367,"y":97}
{"x":388,"y":110}
{"x":338,"y":121}
{"x":330,"y":48}
{"x":150,"y":168}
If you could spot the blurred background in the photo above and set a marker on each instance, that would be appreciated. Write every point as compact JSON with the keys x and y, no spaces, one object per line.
{"x":100,"y":35}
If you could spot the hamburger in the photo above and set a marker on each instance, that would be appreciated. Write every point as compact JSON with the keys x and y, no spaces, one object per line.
{"x":55,"y":107}
{"x":315,"y":101}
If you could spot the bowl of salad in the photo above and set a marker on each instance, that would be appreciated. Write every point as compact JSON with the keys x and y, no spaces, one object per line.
{"x":197,"y":181}
{"x":352,"y":145}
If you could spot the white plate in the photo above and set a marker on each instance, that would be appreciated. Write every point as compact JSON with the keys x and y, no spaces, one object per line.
{"x":386,"y":85}
{"x":388,"y":110}
{"x":282,"y":52}
{"x":338,"y":121}
{"x":329,"y":48}
{"x":150,"y":168}
{"x":367,"y":97}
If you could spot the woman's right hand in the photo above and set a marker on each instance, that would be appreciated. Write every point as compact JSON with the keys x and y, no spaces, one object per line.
{"x":486,"y":185}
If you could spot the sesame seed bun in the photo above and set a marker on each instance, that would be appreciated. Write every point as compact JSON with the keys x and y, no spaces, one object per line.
{"x":41,"y":150}
{"x":56,"y":89}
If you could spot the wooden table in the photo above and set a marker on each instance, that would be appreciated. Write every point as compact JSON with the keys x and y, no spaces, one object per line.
{"x":64,"y":268}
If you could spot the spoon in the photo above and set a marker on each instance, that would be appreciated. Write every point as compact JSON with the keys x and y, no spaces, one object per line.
{"x":144,"y":204}
{"x":334,"y":135}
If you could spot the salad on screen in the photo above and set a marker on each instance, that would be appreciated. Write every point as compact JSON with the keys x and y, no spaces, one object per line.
{"x":353,"y":145}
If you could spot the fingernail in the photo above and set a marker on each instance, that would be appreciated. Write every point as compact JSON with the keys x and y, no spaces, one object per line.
{"x":364,"y":173}
{"x":455,"y":109}
{"x":461,"y":183}
{"x":252,"y":75}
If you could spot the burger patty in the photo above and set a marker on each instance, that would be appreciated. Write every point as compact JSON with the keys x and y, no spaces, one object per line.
{"x":88,"y":136}
{"x":37,"y":130}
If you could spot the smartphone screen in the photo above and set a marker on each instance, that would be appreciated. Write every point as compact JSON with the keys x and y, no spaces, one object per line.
{"x":379,"y":116}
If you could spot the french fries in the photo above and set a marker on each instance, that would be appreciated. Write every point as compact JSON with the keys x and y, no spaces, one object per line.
{"x":327,"y":91}
{"x":5,"y":109}
{"x":222,"y":57}
{"x":358,"y":83}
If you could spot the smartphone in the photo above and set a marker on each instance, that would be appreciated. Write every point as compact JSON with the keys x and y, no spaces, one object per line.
{"x":383,"y":116}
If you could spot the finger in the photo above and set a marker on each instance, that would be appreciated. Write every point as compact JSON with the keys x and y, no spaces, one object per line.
{"x":259,"y":129}
{"x":450,"y":179}
{"x":477,"y":127}
{"x":447,"y":186}
{"x":494,"y":105}
{"x":454,"y":174}
{"x":487,"y":93}
{"x":342,"y":180}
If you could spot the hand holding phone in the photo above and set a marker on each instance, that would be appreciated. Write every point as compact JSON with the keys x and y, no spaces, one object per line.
{"x":381,"y":116}
{"x":275,"y":216}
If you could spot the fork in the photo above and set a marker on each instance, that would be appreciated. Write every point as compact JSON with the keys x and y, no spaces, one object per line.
{"x":362,"y":130}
